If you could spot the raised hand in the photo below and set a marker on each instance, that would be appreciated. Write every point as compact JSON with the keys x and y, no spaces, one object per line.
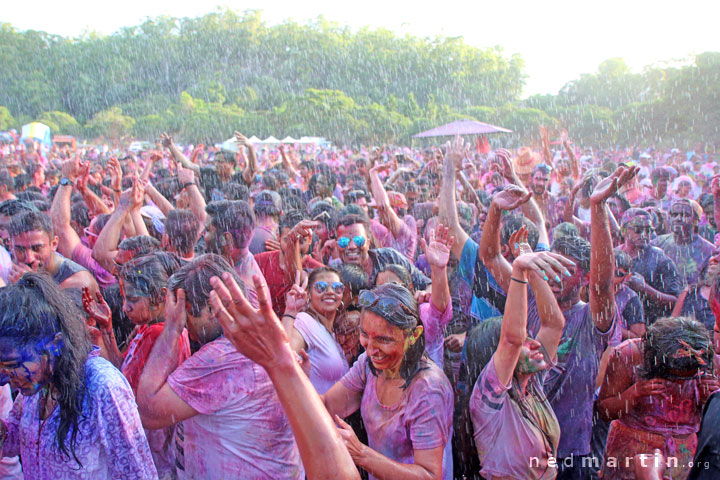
{"x":437,"y":252}
{"x":72,"y":167}
{"x":519,"y":242}
{"x":511,"y":197}
{"x":82,"y":179}
{"x":97,"y":309}
{"x":116,"y":174}
{"x":544,"y":264}
{"x":166,"y":140}
{"x":272,"y":245}
{"x":175,"y":310}
{"x":503,"y":163}
{"x":610,"y":185}
{"x":257,"y":334}
{"x":242,"y":140}
{"x":296,"y":297}
{"x":355,"y":447}
{"x":456,"y":151}
{"x":134,"y":197}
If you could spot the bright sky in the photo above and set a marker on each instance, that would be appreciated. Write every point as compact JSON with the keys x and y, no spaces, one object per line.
{"x":559,"y":39}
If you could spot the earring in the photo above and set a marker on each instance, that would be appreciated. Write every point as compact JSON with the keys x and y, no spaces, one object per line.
{"x":342,"y":306}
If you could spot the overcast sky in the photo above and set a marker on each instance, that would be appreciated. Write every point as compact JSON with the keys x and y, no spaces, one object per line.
{"x":559,"y":40}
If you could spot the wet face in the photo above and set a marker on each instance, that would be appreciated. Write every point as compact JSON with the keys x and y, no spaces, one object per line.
{"x":539,"y":182}
{"x":682,"y":219}
{"x":387,"y":277}
{"x":362,"y":203}
{"x":385,"y":344}
{"x":305,"y":241}
{"x":224,"y":169}
{"x":212,"y":241}
{"x":137,"y":305}
{"x":326,"y":293}
{"x":683,"y":189}
{"x":23,"y":367}
{"x":532,"y":359}
{"x":638,"y":233}
{"x":92,"y":233}
{"x":563,"y":168}
{"x":347,"y":331}
{"x":34,"y":248}
{"x":205,"y":327}
{"x":615,"y":207}
{"x":525,"y":178}
{"x":568,"y":289}
{"x":661,"y":187}
{"x":354,"y":253}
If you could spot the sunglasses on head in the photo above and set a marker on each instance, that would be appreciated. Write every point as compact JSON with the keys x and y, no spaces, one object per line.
{"x":386,"y":305}
{"x":620,"y":273}
{"x":358,"y":240}
{"x":322,"y":287}
{"x":89,"y":233}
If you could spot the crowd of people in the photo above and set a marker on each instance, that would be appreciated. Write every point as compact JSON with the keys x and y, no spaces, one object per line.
{"x":304,"y":312}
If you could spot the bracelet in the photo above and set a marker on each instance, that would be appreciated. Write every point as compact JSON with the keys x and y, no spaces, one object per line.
{"x":288,"y":315}
{"x":187,"y":185}
{"x":519,"y":281}
{"x":117,"y":191}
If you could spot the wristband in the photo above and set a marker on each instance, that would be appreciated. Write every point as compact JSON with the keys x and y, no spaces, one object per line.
{"x":288,"y":315}
{"x":117,"y":191}
{"x":519,"y":281}
{"x":187,"y":185}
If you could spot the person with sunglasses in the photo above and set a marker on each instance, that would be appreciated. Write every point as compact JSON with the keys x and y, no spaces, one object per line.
{"x":313,"y":329}
{"x":406,"y":401}
{"x":654,"y":276}
{"x":654,"y":394}
{"x":353,"y":246}
{"x":628,"y":303}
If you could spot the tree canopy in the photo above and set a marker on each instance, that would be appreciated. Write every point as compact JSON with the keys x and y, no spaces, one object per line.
{"x":201,"y":78}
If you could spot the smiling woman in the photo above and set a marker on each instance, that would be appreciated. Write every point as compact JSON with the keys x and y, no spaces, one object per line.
{"x":46,"y":355}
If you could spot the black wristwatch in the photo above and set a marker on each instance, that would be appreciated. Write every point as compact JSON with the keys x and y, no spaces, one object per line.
{"x":65,"y":181}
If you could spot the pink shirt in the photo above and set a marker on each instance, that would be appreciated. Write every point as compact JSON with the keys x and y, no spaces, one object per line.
{"x":82,"y":255}
{"x":241,"y":430}
{"x":434,"y":323}
{"x":421,"y":420}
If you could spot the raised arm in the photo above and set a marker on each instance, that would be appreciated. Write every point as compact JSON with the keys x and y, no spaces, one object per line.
{"x":391,"y":219}
{"x":105,"y":249}
{"x":447,"y":205}
{"x":60,"y":211}
{"x":168,"y":143}
{"x":574,"y":166}
{"x":716,"y":198}
{"x":287,"y":164}
{"x":437,"y":253}
{"x":602,"y":257}
{"x":94,"y":203}
{"x":258,"y":335}
{"x":186,"y":178}
{"x":251,"y":168}
{"x":490,"y":250}
{"x":158,"y":198}
{"x":547,"y":155}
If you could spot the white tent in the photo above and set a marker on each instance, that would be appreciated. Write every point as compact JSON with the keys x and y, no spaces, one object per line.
{"x":254,"y":139}
{"x":271,"y":139}
{"x":289,"y":139}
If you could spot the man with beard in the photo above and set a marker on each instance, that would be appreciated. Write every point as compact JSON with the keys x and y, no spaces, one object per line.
{"x":546,"y":201}
{"x":228,"y":230}
{"x":655,"y":277}
{"x":683,"y":245}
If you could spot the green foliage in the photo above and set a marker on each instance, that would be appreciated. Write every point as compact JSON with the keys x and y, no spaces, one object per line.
{"x":6,"y":119}
{"x":202,"y":78}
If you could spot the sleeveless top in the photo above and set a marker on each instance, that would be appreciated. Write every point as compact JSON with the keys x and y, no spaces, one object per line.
{"x":67,"y":268}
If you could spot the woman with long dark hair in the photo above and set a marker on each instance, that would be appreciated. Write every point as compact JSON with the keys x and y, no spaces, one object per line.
{"x":76,"y":414}
{"x":654,"y":392}
{"x":516,"y":432}
{"x":404,"y":397}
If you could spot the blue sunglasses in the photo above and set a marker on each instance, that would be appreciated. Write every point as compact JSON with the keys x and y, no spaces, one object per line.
{"x":358,"y":240}
{"x":322,"y":286}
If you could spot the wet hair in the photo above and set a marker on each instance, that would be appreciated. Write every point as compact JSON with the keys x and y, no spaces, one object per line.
{"x":354,"y":277}
{"x":400,"y":272}
{"x":33,"y":312}
{"x":149,"y":274}
{"x":292,"y":201}
{"x":622,"y":260}
{"x":352,"y":219}
{"x":512,"y":223}
{"x":122,"y":326}
{"x":139,"y":245}
{"x":41,"y":205}
{"x":575,"y":247}
{"x":182,"y":228}
{"x":290,"y":219}
{"x":100,"y":222}
{"x":589,"y":180}
{"x":565,"y":229}
{"x":80,"y":214}
{"x":28,"y":221}
{"x":407,"y":322}
{"x":194,"y":278}
{"x":6,"y":180}
{"x":679,"y":343}
{"x":235,"y":191}
{"x":224,"y":156}
{"x":267,"y":204}
{"x":13,"y":207}
{"x":624,"y":204}
{"x":234,"y":217}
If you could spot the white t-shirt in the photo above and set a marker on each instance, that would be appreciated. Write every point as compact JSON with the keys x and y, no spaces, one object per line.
{"x":5,"y":264}
{"x":327,"y":360}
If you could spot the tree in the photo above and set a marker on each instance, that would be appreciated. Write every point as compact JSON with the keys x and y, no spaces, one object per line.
{"x":110,"y":123}
{"x":6,"y":119}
